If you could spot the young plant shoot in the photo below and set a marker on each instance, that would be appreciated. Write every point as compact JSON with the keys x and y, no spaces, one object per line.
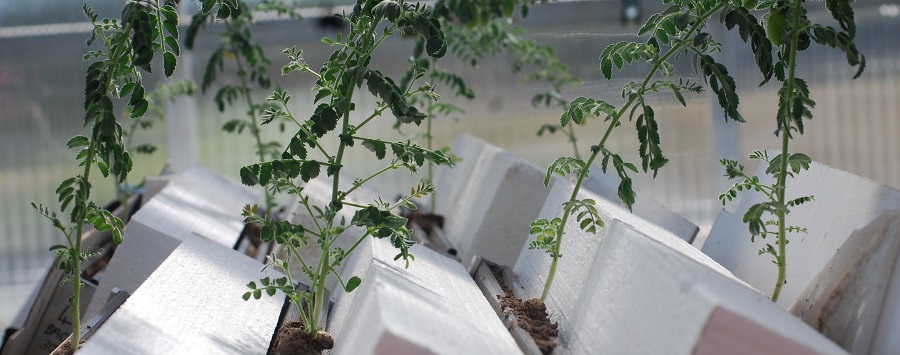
{"x":127,"y":47}
{"x":788,"y":27}
{"x":472,"y":39}
{"x":675,"y":33}
{"x":338,"y":82}
{"x":250,"y":62}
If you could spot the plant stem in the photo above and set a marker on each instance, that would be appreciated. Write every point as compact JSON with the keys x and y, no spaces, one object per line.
{"x":561,"y":229}
{"x":254,"y":129}
{"x":428,"y":142}
{"x":76,"y":261}
{"x":319,"y":297}
{"x":574,"y":140}
{"x":785,"y":140}
{"x":599,"y":147}
{"x":370,"y":177}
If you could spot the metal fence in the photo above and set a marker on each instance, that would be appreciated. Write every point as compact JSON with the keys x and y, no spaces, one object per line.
{"x":854,"y":127}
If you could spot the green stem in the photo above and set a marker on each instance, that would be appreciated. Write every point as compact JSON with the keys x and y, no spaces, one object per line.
{"x":785,"y":140}
{"x":574,"y":140}
{"x":428,"y":142}
{"x":319,"y":288}
{"x":358,"y":240}
{"x":377,"y":113}
{"x":370,"y":177}
{"x":323,"y":268}
{"x":76,"y":261}
{"x":254,"y":130}
{"x":555,"y":252}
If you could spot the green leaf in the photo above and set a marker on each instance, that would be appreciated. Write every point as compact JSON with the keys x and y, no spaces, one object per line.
{"x":265,"y":174}
{"x":296,"y":147}
{"x":324,"y":120}
{"x":842,"y":12}
{"x":648,"y":135}
{"x":78,"y":141}
{"x":139,"y":108}
{"x":750,"y":30}
{"x":352,"y":284}
{"x":830,"y":37}
{"x":248,"y":177}
{"x":385,"y":88}
{"x":309,"y":170}
{"x":721,"y":83}
{"x":377,"y":147}
{"x":387,"y":9}
{"x":564,"y":166}
{"x":169,"y":63}
{"x":582,"y":105}
{"x":117,"y":236}
{"x":104,"y":169}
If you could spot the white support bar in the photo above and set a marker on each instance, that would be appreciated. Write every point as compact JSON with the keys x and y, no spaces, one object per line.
{"x":192,"y":304}
{"x":503,"y":195}
{"x":579,"y":250}
{"x":851,"y":299}
{"x":844,"y":205}
{"x":197,"y":202}
{"x":645,"y":207}
{"x":451,"y":182}
{"x":645,"y":296}
{"x":432,"y":307}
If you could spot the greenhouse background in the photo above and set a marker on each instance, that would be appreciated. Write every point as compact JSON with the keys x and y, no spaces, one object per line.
{"x":41,"y":93}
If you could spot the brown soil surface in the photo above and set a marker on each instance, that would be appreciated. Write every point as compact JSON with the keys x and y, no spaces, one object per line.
{"x":293,"y":340}
{"x":65,"y":348}
{"x":530,"y":314}
{"x":252,"y":231}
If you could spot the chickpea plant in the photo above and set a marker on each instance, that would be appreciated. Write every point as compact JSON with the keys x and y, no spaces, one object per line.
{"x":127,"y":47}
{"x":677,"y":32}
{"x":475,"y":31}
{"x":307,"y":154}
{"x":250,"y":63}
{"x":790,"y":30}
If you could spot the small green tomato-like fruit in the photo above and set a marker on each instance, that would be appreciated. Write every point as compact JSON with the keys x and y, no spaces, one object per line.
{"x":750,"y":4}
{"x":775,"y":27}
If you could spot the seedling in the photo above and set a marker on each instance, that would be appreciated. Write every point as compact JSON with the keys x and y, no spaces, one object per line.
{"x":127,"y":45}
{"x":307,"y":153}
{"x":788,"y":27}
{"x":674,"y":33}
{"x":250,"y":62}
{"x":474,"y":31}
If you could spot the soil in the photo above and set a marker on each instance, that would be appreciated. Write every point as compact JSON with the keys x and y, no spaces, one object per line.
{"x":293,"y":340}
{"x":65,"y":348}
{"x":530,"y":314}
{"x":253,"y":231}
